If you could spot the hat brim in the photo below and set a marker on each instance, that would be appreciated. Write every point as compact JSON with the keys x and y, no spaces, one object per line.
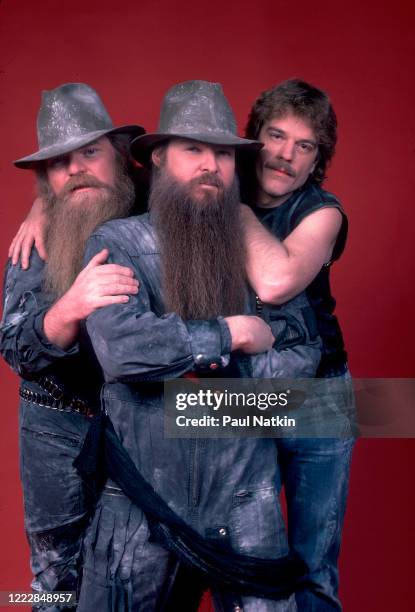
{"x":142,"y":146}
{"x":33,"y":161}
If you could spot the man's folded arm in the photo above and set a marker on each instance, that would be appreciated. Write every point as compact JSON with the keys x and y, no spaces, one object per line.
{"x":297,"y":348}
{"x":23,"y":343}
{"x":133,"y":343}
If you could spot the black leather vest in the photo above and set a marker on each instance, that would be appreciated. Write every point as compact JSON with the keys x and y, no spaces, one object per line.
{"x":281,"y":221}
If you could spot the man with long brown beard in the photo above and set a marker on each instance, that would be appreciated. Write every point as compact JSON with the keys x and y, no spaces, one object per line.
{"x":83,"y":178}
{"x":207,"y":500}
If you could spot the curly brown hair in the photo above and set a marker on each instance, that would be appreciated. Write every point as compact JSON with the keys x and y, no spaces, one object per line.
{"x":308,"y":102}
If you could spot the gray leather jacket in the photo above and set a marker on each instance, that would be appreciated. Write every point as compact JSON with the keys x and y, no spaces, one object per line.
{"x":50,"y":438}
{"x":26,"y":348}
{"x":214,"y":484}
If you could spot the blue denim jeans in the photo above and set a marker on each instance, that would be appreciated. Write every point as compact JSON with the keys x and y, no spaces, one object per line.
{"x":315,"y":473}
{"x":57,"y":502}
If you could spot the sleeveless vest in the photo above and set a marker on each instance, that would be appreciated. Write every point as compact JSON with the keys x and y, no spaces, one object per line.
{"x":281,"y":221}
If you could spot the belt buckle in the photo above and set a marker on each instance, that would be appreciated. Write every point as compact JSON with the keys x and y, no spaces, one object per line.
{"x":53,"y":390}
{"x":79,"y":406}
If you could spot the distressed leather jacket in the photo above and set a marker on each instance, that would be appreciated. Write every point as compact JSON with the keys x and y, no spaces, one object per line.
{"x":26,"y":348}
{"x":220,"y":486}
{"x":50,"y":435}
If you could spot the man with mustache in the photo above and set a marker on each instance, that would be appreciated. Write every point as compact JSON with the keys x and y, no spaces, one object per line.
{"x":83,"y":175}
{"x":297,"y":126}
{"x":205,"y":500}
{"x":296,"y":232}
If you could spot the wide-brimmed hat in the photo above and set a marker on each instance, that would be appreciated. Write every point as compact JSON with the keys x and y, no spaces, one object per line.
{"x":71,"y":116}
{"x":197,"y":110}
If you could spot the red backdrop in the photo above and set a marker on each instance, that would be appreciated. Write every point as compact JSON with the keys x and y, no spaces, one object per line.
{"x":361,"y":53}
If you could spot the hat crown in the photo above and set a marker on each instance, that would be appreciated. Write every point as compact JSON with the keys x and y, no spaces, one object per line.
{"x":195,"y":107}
{"x":198,"y":111}
{"x":69,"y":112}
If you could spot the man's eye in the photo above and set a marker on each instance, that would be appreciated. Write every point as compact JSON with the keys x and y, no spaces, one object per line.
{"x":225,"y":153}
{"x":306,"y":147}
{"x":90,"y":151}
{"x":276,"y":135}
{"x":55,"y":162}
{"x":193,"y":148}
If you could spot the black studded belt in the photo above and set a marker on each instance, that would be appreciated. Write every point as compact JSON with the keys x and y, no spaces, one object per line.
{"x":62,"y":403}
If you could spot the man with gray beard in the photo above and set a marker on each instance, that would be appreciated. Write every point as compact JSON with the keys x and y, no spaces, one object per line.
{"x":211,"y":503}
{"x":83,"y":171}
{"x":71,"y":224}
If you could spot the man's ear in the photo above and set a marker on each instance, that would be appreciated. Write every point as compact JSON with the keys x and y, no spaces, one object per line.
{"x":156,"y":156}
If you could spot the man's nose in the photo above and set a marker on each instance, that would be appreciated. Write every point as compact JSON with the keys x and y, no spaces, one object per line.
{"x":286,"y":150}
{"x":76,"y":164}
{"x":209,"y":162}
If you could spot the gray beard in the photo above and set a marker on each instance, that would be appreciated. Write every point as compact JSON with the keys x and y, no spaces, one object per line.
{"x":71,"y":224}
{"x":201,"y":247}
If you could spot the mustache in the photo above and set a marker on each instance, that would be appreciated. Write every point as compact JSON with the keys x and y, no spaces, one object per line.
{"x":70,"y":226}
{"x":208,"y":178}
{"x":78,"y":182}
{"x":281,"y":165}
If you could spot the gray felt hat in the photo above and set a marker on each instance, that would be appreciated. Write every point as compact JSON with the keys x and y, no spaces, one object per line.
{"x":71,"y":116}
{"x":197,"y":110}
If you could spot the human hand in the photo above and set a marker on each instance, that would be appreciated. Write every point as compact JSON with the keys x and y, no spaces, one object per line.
{"x":250,"y":334}
{"x":31,"y":232}
{"x":97,"y":285}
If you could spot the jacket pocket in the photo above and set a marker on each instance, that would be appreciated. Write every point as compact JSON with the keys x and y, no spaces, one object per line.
{"x":256,"y":523}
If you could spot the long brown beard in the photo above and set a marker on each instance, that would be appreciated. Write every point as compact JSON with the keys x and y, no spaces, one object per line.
{"x":202,"y":248}
{"x":72,"y":221}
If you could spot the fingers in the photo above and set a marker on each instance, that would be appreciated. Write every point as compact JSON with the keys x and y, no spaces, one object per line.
{"x":119,"y":288}
{"x":102,"y":276}
{"x":22,"y":244}
{"x":107,"y":300}
{"x":26,"y":249}
{"x":108,"y":269}
{"x":100,"y":284}
{"x":41,"y":248}
{"x":14,"y":249}
{"x":11,"y":248}
{"x":101,"y":268}
{"x":10,"y":251}
{"x":108,"y":279}
{"x":98,"y":259}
